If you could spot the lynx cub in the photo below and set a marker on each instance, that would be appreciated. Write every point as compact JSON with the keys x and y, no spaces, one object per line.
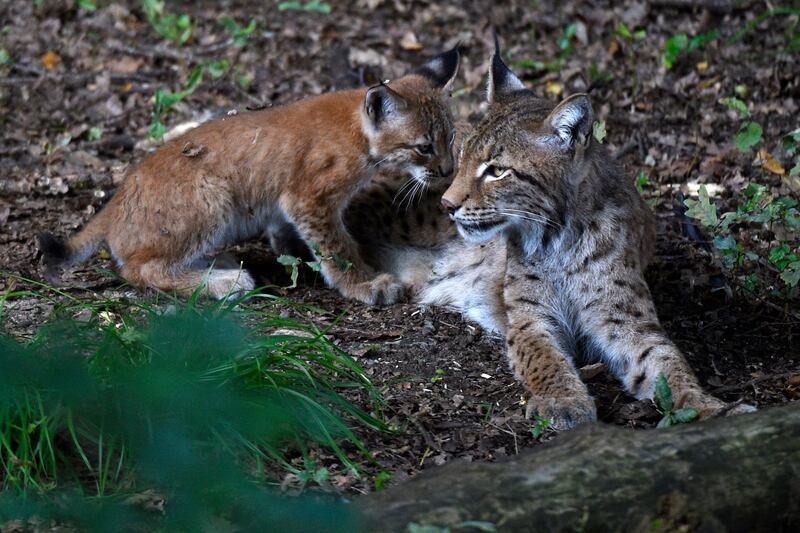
{"x":262,"y":172}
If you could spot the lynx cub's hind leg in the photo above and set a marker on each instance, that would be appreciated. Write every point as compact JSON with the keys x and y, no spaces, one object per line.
{"x":217,"y":282}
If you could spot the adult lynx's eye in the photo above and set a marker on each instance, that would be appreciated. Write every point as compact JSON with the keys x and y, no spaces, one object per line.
{"x":494,"y":173}
{"x":424,"y":149}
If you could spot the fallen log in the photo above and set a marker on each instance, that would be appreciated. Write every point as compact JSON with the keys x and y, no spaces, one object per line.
{"x":739,"y":473}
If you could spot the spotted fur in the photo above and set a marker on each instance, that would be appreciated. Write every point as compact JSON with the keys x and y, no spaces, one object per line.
{"x":575,"y":238}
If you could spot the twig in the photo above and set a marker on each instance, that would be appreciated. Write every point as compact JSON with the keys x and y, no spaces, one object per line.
{"x":716,"y":6}
{"x":425,"y":434}
{"x":750,"y":383}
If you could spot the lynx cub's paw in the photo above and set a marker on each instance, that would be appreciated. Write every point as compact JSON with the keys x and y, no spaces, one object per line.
{"x":229,"y":282}
{"x":565,"y":413}
{"x":380,"y":290}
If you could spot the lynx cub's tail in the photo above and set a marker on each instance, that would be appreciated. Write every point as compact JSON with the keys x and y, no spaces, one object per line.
{"x":59,"y":254}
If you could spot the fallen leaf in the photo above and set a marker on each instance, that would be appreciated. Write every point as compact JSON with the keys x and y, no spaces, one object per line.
{"x":410,"y":42}
{"x":708,"y":83}
{"x":770,"y":163}
{"x":591,"y":371}
{"x":191,"y":149}
{"x":702,"y":66}
{"x":613,"y":47}
{"x":125,"y":65}
{"x":793,"y":182}
{"x":553,"y":87}
{"x":51,"y":60}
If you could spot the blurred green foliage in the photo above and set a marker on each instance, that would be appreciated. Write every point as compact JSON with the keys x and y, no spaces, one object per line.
{"x":175,"y":417}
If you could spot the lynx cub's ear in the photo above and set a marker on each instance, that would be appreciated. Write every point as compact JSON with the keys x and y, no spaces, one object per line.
{"x":442,"y":69}
{"x":382,"y":104}
{"x":572,"y":120}
{"x":501,"y":80}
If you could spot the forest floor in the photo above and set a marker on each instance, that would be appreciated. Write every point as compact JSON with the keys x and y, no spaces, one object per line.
{"x":76,"y":105}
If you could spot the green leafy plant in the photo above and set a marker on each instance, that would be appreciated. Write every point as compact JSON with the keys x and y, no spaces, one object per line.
{"x":622,"y":30}
{"x":438,"y":376}
{"x":293,"y":264}
{"x":174,"y":28}
{"x":95,"y":133}
{"x":762,"y":212}
{"x":565,"y":47}
{"x":243,"y":78}
{"x":165,"y":100}
{"x":87,"y":5}
{"x":791,"y":145}
{"x":540,"y":425}
{"x":749,"y":131}
{"x":217,"y":69}
{"x":312,"y":5}
{"x":114,"y":402}
{"x":382,"y":480}
{"x":599,"y":130}
{"x":240,"y":35}
{"x":642,"y":180}
{"x":664,"y":405}
{"x":341,"y":263}
{"x":680,"y":44}
{"x":5,"y":58}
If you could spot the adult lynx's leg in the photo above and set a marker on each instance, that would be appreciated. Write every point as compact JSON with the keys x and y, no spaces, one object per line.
{"x":538,"y":358}
{"x":619,"y":317}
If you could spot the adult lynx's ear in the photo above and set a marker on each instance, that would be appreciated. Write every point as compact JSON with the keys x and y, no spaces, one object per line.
{"x":442,"y":69}
{"x":572,"y":120}
{"x":502,"y":81}
{"x":382,"y":104}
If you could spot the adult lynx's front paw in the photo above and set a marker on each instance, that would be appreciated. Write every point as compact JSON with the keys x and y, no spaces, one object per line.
{"x":380,"y":290}
{"x":565,"y":412}
{"x":709,"y":407}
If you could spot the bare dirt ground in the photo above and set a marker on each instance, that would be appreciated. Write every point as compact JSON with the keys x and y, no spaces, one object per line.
{"x":446,"y":384}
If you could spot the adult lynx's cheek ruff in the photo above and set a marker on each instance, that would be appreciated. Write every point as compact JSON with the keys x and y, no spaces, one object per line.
{"x":577,"y":238}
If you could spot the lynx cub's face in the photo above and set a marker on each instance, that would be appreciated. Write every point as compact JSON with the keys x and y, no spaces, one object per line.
{"x":408,"y":124}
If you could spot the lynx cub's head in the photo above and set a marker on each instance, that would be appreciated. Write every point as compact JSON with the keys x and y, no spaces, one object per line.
{"x":520,"y":165}
{"x":408,"y":122}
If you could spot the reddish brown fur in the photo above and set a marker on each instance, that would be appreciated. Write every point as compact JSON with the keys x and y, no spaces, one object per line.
{"x":239,"y":176}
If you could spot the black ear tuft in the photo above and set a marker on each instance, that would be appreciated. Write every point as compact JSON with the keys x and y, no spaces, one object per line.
{"x":442,"y":69}
{"x":501,"y":80}
{"x":54,"y":251}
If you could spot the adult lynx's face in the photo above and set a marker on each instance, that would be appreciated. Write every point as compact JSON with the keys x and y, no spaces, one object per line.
{"x":408,"y":122}
{"x":518,"y":166}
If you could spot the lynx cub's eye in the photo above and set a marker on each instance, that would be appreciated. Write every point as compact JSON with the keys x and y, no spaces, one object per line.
{"x":424,"y":149}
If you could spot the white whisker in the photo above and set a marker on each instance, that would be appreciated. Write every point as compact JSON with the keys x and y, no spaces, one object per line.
{"x":407,"y":184}
{"x":530,"y":216}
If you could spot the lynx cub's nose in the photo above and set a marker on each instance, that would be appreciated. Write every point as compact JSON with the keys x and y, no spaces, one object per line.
{"x":449,"y":206}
